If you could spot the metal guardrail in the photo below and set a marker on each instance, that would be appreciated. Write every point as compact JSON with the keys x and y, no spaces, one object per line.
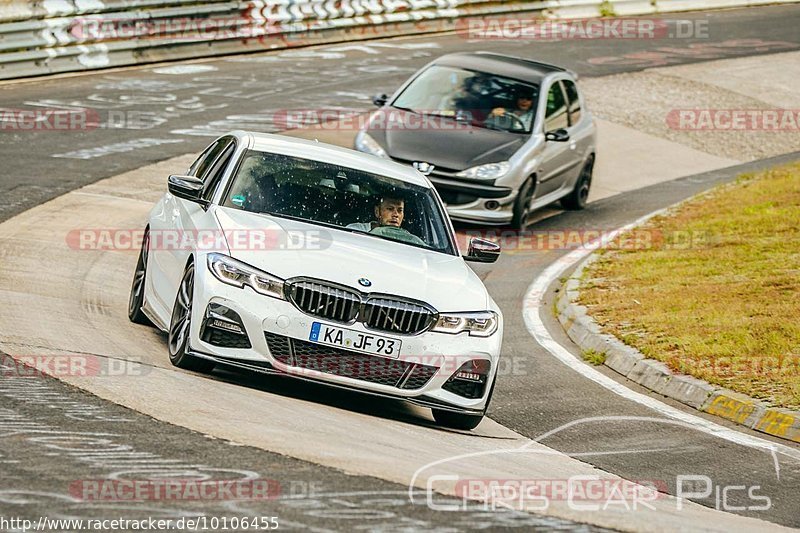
{"x":47,"y":37}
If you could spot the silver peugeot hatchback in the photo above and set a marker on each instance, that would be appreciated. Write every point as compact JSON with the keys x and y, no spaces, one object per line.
{"x":500,"y":136}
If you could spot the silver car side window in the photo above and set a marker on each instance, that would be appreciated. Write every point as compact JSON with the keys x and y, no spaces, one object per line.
{"x":574,"y":102}
{"x":556,"y":116}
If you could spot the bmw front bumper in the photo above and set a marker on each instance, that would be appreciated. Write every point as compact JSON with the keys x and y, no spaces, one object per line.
{"x":275,"y":331}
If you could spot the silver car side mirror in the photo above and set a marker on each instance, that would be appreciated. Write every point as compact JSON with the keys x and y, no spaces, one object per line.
{"x":559,"y":136}
{"x":423,"y":167}
{"x":380,"y":99}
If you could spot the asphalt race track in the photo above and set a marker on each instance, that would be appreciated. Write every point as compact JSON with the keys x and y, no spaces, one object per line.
{"x":178,"y":113}
{"x":171,"y":110}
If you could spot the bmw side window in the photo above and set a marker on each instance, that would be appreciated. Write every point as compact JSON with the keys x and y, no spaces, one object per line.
{"x":574,"y":105}
{"x":218,"y":170}
{"x":556,"y":114}
{"x":200,"y":168}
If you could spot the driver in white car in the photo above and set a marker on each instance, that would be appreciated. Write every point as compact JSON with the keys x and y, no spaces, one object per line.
{"x":388,"y":212}
{"x":389,"y":215}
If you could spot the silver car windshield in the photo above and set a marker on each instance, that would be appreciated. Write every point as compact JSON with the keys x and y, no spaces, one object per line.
{"x":485,"y":100}
{"x":339,"y":197}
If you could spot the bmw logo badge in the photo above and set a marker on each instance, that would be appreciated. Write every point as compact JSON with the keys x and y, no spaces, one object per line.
{"x":364,"y":282}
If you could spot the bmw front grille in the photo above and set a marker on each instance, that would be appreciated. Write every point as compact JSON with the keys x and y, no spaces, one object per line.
{"x":342,"y":304}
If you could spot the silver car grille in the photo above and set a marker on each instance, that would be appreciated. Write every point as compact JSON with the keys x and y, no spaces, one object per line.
{"x":340,"y":304}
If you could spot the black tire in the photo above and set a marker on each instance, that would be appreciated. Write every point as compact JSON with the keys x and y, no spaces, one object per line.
{"x":522,"y":205}
{"x":577,"y":199}
{"x":180,"y":328}
{"x":136,"y":298}
{"x":456,"y":420}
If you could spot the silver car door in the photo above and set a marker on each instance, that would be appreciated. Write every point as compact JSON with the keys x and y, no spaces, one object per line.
{"x":557,"y":157}
{"x":580,"y":131}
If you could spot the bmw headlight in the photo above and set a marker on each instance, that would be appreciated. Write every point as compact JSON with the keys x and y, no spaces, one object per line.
{"x":365,"y":143}
{"x":233,"y":272}
{"x":486,"y":172}
{"x":479,"y":324}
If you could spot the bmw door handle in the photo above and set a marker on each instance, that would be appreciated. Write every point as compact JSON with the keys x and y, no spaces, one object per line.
{"x":572,"y":145}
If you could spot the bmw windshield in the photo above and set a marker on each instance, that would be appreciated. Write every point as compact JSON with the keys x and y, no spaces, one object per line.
{"x":339,"y":197}
{"x":484,"y":100}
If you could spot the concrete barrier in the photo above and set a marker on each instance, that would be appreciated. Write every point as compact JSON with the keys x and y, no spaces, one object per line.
{"x":54,"y":36}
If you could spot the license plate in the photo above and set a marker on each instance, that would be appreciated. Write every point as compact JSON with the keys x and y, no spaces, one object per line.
{"x":354,"y":340}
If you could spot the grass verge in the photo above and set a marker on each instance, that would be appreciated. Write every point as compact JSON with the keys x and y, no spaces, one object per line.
{"x":594,"y":358}
{"x":712,"y":289}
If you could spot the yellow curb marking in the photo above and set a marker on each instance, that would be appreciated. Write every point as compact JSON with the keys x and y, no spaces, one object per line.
{"x":776,"y":423}
{"x":731,"y":408}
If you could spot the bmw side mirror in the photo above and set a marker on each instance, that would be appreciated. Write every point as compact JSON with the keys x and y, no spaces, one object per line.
{"x":380,"y":99}
{"x":559,"y":136}
{"x":186,"y":187}
{"x":482,"y":251}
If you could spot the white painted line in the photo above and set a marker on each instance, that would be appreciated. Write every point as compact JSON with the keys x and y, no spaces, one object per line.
{"x":531,"y":308}
{"x":184,"y":69}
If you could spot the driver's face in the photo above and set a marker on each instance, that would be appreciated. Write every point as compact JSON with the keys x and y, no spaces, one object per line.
{"x":524,"y":103}
{"x":390,"y":212}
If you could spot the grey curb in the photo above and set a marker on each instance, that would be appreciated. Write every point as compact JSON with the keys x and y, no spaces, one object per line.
{"x":657,"y":377}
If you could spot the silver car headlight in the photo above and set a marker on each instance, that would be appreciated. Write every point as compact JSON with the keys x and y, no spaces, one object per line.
{"x":479,"y":324}
{"x":365,"y":143}
{"x":233,"y":272}
{"x":486,"y":172}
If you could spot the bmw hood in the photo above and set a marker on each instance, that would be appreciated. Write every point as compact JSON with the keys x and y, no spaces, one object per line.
{"x":292,"y":249}
{"x":457,"y":148}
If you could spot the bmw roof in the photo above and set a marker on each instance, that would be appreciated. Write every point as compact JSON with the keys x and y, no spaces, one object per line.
{"x":329,"y":153}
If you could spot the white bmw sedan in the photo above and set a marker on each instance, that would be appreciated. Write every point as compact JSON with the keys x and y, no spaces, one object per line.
{"x":300,"y":258}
